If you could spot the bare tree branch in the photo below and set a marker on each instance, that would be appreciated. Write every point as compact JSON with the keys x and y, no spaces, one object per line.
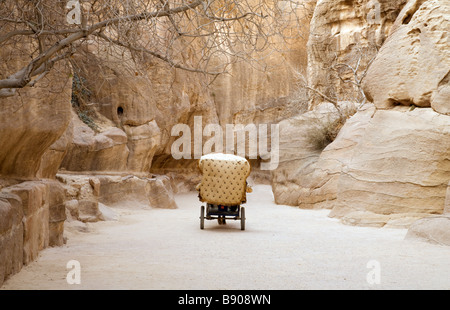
{"x":23,"y":77}
{"x":218,"y":32}
{"x":163,"y":58}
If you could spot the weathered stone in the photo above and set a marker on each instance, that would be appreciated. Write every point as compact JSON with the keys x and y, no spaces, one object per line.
{"x":32,"y":120}
{"x":447,"y":200}
{"x":413,"y":66}
{"x":322,"y":189}
{"x":33,"y":196}
{"x":95,"y":183}
{"x":433,"y":229}
{"x":88,"y":211}
{"x":105,"y":151}
{"x":400,"y":166}
{"x":302,"y":139}
{"x":121,"y":189}
{"x":82,"y":192}
{"x":72,"y":211}
{"x":108,"y":214}
{"x":57,"y":213}
{"x":142,"y":142}
{"x":160,"y":194}
{"x":345,"y":32}
{"x":54,"y":155}
{"x":11,"y":236}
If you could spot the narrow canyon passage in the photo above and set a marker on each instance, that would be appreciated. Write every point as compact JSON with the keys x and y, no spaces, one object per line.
{"x":282,"y":248}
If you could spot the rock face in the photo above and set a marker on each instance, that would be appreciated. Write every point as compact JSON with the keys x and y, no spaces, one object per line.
{"x":31,"y":123}
{"x":85,"y":193}
{"x":153,"y":191}
{"x":322,"y":188}
{"x":130,"y":113}
{"x":375,"y":173}
{"x":413,"y":66}
{"x":32,"y":218}
{"x":435,"y":228}
{"x":264,"y":91}
{"x":88,"y":151}
{"x":447,"y":200}
{"x":399,"y":169}
{"x":300,"y":147}
{"x":29,"y":126}
{"x":432,"y":229}
{"x":389,"y":165}
{"x":343,"y":33}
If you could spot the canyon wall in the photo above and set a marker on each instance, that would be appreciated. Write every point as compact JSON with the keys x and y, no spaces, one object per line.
{"x":96,"y":132}
{"x":345,"y":36}
{"x":389,"y":164}
{"x":32,"y":210}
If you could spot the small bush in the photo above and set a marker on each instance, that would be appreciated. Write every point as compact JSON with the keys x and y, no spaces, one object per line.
{"x":86,"y":118}
{"x":80,"y":95}
{"x":325,"y":130}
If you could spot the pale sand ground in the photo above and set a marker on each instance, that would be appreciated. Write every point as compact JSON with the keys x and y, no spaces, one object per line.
{"x":282,"y":248}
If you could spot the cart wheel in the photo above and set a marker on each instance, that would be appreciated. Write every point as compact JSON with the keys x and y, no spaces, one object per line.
{"x":242,"y":218}
{"x":202,"y":217}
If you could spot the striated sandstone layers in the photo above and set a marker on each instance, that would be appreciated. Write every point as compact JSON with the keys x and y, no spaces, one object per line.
{"x":32,"y":216}
{"x":299,"y":153}
{"x":399,"y":169}
{"x":389,"y":165}
{"x":402,"y":164}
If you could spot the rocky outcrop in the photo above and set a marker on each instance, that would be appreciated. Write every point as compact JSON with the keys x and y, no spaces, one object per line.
{"x":32,"y":218}
{"x":85,"y":192}
{"x":88,"y":151}
{"x":264,"y":91}
{"x":55,"y":154}
{"x":321,"y":190}
{"x":302,"y":140}
{"x":389,"y":165}
{"x":346,"y":34}
{"x":29,"y":125}
{"x":434,"y":229}
{"x":399,"y":170}
{"x":384,"y":168}
{"x":140,"y":102}
{"x":143,"y":142}
{"x":413,"y":66}
{"x":447,"y":199}
{"x":154,"y":191}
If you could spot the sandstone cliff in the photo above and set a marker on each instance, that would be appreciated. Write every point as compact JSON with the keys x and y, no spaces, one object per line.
{"x":389,"y":165}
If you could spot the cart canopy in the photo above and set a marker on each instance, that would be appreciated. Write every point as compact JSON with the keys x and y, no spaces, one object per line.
{"x":224,"y":179}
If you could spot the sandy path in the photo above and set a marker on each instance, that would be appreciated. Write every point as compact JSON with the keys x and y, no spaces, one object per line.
{"x":282,"y":248}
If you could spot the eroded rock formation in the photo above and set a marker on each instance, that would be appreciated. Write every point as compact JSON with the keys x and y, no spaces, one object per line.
{"x":389,"y":165}
{"x":344,"y":34}
{"x":413,"y":66}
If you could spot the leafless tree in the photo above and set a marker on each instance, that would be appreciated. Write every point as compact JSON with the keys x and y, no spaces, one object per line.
{"x":354,"y":71}
{"x":351,"y":71}
{"x":224,"y":31}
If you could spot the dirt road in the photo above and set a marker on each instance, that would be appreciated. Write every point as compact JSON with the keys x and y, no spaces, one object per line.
{"x":282,"y":248}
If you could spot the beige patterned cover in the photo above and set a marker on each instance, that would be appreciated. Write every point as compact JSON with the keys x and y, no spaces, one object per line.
{"x":224,"y":179}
